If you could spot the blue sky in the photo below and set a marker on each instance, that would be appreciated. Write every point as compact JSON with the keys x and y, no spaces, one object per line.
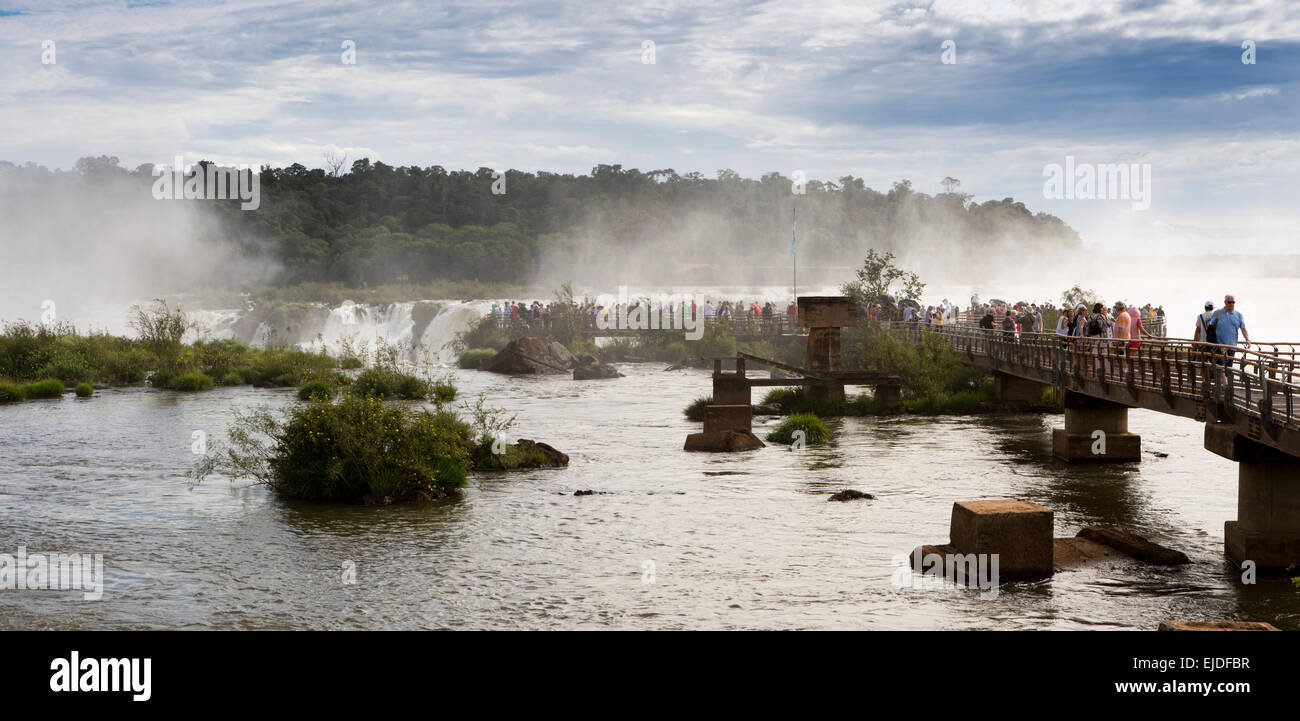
{"x":830,"y":88}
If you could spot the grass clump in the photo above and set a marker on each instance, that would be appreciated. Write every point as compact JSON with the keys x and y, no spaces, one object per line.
{"x":48,"y":388}
{"x":85,"y":390}
{"x":695,"y":411}
{"x":315,"y":389}
{"x":474,"y":358}
{"x":391,"y":384}
{"x":11,"y":393}
{"x":814,"y":430}
{"x":193,"y":382}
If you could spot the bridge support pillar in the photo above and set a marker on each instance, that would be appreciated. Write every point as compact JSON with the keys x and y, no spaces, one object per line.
{"x":889,"y":396}
{"x":1014,"y":389}
{"x":1267,"y":529}
{"x":829,"y":389}
{"x":730,"y":389}
{"x":823,"y":353}
{"x":1096,"y":431}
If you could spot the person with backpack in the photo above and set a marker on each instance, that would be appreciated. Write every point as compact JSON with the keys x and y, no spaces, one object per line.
{"x":1205,"y":334}
{"x":1223,"y":326}
{"x":1098,"y":327}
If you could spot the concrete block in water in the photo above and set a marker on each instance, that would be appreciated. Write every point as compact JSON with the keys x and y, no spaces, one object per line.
{"x":1019,"y":532}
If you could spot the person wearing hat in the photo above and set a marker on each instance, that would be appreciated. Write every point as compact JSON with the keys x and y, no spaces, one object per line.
{"x":1202,"y":319}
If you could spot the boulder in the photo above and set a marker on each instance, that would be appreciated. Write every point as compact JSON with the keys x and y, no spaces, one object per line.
{"x":531,"y":355}
{"x":541,"y":455}
{"x":590,"y":372}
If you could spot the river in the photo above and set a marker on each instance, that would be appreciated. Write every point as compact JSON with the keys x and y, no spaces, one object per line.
{"x":670,"y":540}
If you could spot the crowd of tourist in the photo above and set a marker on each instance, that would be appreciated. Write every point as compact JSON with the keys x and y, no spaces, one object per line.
{"x":539,"y":316}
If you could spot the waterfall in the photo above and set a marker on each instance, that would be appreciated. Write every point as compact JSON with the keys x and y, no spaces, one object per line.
{"x":362,"y":327}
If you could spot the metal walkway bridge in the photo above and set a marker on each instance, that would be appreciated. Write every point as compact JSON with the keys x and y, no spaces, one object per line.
{"x":1247,"y":398}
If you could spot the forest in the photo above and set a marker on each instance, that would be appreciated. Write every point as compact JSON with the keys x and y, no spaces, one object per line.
{"x":371,"y":223}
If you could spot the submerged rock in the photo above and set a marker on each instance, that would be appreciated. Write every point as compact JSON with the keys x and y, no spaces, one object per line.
{"x":849,"y":495}
{"x":1133,"y":545}
{"x":531,"y":355}
{"x":592,"y":372}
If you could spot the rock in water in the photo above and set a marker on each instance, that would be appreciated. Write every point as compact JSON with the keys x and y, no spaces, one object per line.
{"x":849,"y":495}
{"x":541,"y":455}
{"x":531,"y":355}
{"x":590,"y":372}
{"x":1133,"y":545}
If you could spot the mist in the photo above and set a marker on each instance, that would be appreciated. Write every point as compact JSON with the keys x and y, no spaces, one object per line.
{"x":83,"y":245}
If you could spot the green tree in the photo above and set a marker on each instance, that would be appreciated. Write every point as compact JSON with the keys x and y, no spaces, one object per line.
{"x":879,"y":275}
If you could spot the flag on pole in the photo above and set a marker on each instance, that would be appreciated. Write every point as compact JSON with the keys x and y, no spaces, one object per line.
{"x":793,"y":226}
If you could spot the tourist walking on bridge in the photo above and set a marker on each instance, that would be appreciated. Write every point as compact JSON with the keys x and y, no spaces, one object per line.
{"x":1226,"y":322}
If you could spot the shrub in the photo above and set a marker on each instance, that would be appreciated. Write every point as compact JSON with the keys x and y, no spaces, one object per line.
{"x":85,"y":390}
{"x":48,"y":388}
{"x":347,"y":451}
{"x":233,"y":378}
{"x":126,"y":366}
{"x":10,"y":393}
{"x":68,"y":370}
{"x":484,"y":334}
{"x":408,"y":387}
{"x":161,"y":379}
{"x":695,"y":411}
{"x":815,"y":431}
{"x":194,"y":382}
{"x":383,"y":383}
{"x":796,"y":400}
{"x":315,"y":389}
{"x":474,"y":358}
{"x":444,"y":392}
{"x":943,"y":403}
{"x":351,"y":363}
{"x":285,"y":380}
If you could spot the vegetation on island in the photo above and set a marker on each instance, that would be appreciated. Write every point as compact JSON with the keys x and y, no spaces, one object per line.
{"x":814,"y":431}
{"x":57,"y":352}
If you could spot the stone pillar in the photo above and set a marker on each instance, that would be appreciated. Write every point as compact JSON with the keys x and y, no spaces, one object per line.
{"x":889,"y":396}
{"x":1096,"y":431}
{"x":828,"y":389}
{"x":823,"y":354}
{"x":720,"y":418}
{"x":1267,"y":529}
{"x":1014,"y":389}
{"x":730,"y":389}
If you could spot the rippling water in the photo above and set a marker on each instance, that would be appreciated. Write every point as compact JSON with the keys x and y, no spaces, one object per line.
{"x":736,"y":541}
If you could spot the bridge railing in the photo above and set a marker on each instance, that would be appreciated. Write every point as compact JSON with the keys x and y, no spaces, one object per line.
{"x":1263,"y":380}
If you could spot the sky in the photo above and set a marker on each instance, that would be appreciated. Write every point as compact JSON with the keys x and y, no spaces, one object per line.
{"x":991,"y":93}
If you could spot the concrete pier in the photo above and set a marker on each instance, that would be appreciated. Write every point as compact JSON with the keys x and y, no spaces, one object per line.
{"x":1267,"y":529}
{"x":1014,"y":389}
{"x":1096,"y":431}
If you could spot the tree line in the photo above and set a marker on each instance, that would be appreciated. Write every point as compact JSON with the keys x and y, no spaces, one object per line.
{"x":374,"y":223}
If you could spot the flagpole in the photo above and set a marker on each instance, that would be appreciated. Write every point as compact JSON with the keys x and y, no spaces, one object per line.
{"x":794,"y":257}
